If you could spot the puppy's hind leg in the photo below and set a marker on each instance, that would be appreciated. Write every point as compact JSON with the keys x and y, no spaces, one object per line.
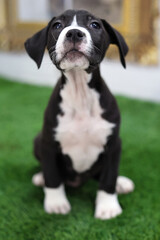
{"x":124,"y":185}
{"x":38,"y":178}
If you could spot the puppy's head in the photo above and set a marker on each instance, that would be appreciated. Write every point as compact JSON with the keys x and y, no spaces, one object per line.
{"x":75,"y":39}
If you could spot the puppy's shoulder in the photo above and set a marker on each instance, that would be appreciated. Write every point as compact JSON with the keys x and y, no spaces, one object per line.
{"x":109,"y":104}
{"x":53,"y":109}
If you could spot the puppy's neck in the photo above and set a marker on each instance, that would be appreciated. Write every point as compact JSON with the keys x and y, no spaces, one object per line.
{"x":76,"y":93}
{"x":76,"y":75}
{"x":90,"y":78}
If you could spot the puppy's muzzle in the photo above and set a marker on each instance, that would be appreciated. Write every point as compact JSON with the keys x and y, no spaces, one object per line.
{"x":73,"y":49}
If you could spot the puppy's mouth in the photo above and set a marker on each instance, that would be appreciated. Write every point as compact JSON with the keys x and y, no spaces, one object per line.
{"x":73,"y":58}
{"x":73,"y":55}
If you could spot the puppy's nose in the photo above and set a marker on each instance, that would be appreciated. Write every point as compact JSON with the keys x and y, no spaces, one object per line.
{"x":75,"y":35}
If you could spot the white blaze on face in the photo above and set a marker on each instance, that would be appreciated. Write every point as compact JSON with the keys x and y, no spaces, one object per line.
{"x":74,"y":23}
{"x":78,"y":59}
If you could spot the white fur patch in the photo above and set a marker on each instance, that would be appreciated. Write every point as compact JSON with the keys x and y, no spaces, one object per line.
{"x":107,"y":206}
{"x":124,"y":185}
{"x":81,"y":131}
{"x":38,"y":179}
{"x":74,"y":22}
{"x":55,"y":200}
{"x":80,"y":62}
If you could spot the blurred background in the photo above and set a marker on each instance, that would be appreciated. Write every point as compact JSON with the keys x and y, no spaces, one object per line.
{"x":137,"y":20}
{"x":21,"y":113}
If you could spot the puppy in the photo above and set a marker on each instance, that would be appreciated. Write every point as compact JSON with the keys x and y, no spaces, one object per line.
{"x":80,"y":135}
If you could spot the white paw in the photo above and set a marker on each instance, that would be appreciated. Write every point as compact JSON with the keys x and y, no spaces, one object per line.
{"x":38,"y":179}
{"x":55,"y":201}
{"x":107,"y":206}
{"x":124,"y":185}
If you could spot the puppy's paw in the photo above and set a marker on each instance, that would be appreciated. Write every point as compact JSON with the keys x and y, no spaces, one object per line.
{"x":107,"y":206}
{"x":124,"y":185}
{"x":38,"y":179}
{"x":55,"y":201}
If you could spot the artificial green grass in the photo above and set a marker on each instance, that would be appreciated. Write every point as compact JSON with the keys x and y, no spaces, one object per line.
{"x":21,"y":204}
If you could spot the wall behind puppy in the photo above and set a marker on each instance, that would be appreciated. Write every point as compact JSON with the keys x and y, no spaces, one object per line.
{"x":137,"y":20}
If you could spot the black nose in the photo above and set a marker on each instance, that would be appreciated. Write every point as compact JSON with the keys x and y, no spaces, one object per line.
{"x":75,"y":35}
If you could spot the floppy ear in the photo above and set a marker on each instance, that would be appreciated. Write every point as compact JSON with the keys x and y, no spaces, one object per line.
{"x":116,"y":38}
{"x":35,"y":46}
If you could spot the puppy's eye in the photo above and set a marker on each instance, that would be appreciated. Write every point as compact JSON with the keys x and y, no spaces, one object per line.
{"x":57,"y":25}
{"x":95,"y":25}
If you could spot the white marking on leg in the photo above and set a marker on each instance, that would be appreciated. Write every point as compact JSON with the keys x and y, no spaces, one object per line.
{"x":38,"y":179}
{"x":55,"y":200}
{"x":107,"y":205}
{"x":124,"y":185}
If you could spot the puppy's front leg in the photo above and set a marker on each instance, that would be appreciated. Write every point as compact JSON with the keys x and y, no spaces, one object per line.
{"x":55,"y":200}
{"x":107,"y":205}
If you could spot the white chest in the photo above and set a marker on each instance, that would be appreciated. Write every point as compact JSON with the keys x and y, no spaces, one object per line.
{"x":81,"y":131}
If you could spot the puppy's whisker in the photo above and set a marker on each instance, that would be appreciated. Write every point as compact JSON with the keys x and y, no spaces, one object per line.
{"x":53,"y":56}
{"x":51,"y":48}
{"x":53,"y":37}
{"x":95,"y":47}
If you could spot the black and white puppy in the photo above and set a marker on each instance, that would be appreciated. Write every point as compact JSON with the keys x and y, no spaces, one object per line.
{"x":80,"y":135}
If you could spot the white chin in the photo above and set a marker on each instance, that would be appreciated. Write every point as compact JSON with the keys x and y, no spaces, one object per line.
{"x":69,"y":63}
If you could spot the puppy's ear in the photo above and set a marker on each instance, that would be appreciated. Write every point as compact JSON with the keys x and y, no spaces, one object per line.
{"x":116,"y":38}
{"x":35,"y":46}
